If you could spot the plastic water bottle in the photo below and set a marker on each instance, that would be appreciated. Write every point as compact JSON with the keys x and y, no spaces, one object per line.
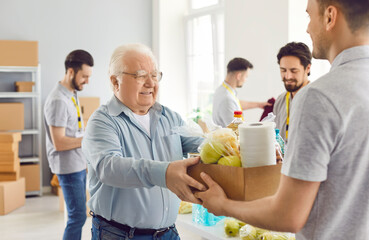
{"x":279,"y":140}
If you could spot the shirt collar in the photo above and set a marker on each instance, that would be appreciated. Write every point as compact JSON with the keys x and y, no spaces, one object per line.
{"x":116,"y":107}
{"x":65,"y":91}
{"x":232,"y":89}
{"x":350,"y":54}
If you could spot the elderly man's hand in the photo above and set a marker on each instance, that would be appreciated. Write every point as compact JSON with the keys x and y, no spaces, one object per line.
{"x":214,"y":198}
{"x":179,"y":182}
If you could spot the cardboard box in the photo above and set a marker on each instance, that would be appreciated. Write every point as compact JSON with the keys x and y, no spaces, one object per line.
{"x":9,"y":147}
{"x":11,"y":116}
{"x":10,"y":137}
{"x":9,"y":176}
{"x":12,"y":195}
{"x":9,"y":166}
{"x":18,"y":53}
{"x":238,"y":183}
{"x":8,"y":156}
{"x":88,"y":106}
{"x":31,"y":172}
{"x":24,"y":86}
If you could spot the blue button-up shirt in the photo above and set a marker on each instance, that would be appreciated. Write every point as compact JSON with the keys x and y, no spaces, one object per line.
{"x":126,"y":167}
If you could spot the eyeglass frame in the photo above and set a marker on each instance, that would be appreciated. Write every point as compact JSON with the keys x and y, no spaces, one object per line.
{"x":145,"y":76}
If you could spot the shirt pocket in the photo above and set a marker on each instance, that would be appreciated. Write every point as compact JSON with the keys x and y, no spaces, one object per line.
{"x":173,"y":147}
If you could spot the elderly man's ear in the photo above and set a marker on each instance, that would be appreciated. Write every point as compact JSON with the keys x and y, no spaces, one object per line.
{"x":115,"y":82}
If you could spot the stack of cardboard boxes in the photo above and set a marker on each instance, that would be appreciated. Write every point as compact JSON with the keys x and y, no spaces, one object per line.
{"x":12,"y":187}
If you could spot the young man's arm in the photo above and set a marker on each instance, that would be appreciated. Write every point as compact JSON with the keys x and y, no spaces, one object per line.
{"x":62,"y":142}
{"x":286,"y":211}
{"x":249,"y":105}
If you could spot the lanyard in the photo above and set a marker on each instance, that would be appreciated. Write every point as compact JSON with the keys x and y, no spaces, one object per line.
{"x":234,"y":96}
{"x":78,"y":113}
{"x":288,"y":112}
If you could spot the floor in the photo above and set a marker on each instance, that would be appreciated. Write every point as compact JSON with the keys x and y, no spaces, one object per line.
{"x":40,"y":219}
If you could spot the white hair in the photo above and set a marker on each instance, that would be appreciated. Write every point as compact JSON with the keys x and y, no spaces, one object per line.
{"x":117,"y":66}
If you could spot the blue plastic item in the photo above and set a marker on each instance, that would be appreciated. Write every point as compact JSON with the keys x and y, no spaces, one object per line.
{"x":280,"y":140}
{"x":200,"y":215}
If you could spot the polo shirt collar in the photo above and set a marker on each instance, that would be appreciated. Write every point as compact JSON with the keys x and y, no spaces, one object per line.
{"x":350,"y":54}
{"x":64,"y":90}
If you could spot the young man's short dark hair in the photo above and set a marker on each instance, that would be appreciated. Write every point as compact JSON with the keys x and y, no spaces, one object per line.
{"x":356,"y":12}
{"x":297,"y":49}
{"x":77,"y":58}
{"x":238,"y":64}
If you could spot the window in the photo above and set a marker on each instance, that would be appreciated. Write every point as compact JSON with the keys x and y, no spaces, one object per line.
{"x":204,"y":52}
{"x":197,"y":4}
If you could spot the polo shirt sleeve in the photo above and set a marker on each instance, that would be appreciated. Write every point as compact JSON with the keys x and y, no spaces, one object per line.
{"x":314,"y":129}
{"x":56,"y":113}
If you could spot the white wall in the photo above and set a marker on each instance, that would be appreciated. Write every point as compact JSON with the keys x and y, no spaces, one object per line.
{"x":169,"y":47}
{"x":298,"y":21}
{"x":256,"y":30}
{"x":62,"y":26}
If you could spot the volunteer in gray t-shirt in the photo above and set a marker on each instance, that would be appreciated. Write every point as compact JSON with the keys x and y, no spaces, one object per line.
{"x":64,"y":131}
{"x":323,"y":192}
{"x":294,"y":61}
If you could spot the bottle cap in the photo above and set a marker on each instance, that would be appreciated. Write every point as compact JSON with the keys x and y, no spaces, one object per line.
{"x":276,"y":131}
{"x":237,"y":112}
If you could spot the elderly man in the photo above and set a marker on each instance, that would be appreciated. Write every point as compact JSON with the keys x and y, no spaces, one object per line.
{"x":131,"y":153}
{"x":323,"y":193}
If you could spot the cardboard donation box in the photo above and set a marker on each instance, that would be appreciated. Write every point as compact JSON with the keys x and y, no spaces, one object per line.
{"x":31,"y":172}
{"x":18,"y":53}
{"x":12,"y":195}
{"x":24,"y":86}
{"x":11,"y":116}
{"x":241,"y":183}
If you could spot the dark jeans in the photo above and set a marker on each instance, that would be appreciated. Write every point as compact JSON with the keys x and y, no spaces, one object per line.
{"x":102,"y":230}
{"x":74,"y":191}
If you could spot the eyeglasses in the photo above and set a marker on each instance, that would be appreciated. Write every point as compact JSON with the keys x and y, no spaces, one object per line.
{"x":141,"y":76}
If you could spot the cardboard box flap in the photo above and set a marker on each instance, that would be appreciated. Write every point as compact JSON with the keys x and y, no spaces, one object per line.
{"x":10,"y":137}
{"x":231,"y":179}
{"x":261,"y":181}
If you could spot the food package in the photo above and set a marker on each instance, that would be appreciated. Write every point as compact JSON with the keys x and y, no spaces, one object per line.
{"x":185,"y":207}
{"x":221,"y":145}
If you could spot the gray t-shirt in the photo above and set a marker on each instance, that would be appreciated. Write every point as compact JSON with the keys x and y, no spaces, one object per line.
{"x":60,"y":111}
{"x":224,"y":105}
{"x":329,"y":143}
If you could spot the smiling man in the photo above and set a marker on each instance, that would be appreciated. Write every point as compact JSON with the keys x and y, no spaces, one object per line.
{"x":294,"y":61}
{"x":131,"y":152}
{"x":64,"y":131}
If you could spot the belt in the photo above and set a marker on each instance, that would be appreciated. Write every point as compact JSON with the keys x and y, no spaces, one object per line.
{"x":136,"y":231}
